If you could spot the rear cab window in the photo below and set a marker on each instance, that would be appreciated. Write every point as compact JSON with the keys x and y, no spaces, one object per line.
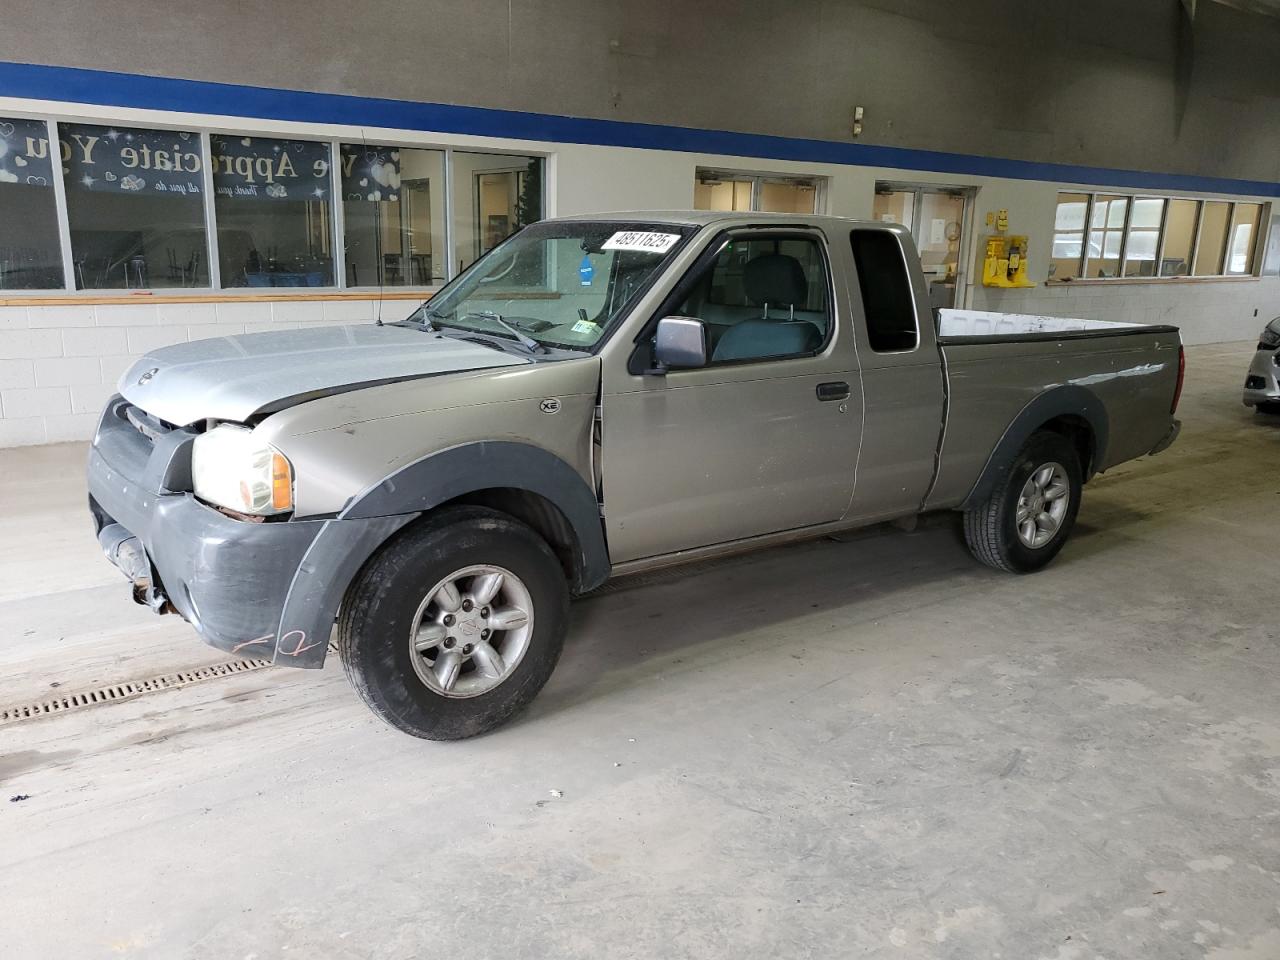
{"x":887,"y":298}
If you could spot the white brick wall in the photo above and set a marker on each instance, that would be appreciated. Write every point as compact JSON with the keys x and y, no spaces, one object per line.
{"x":59,"y":364}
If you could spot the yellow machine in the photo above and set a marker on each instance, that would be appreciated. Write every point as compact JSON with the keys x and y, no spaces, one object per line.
{"x":1005,"y":264}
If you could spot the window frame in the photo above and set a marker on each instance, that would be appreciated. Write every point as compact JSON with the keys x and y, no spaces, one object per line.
{"x":336,"y":231}
{"x":1257,"y":241}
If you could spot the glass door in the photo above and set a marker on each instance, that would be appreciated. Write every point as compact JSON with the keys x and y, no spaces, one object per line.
{"x":937,"y":219}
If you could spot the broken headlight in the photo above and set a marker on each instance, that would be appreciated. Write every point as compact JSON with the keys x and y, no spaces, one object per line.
{"x":1270,"y":338}
{"x":232,"y":468}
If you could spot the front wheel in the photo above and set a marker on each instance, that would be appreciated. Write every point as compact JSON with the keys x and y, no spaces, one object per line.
{"x":1030,"y":513}
{"x":1270,"y":407}
{"x":455,"y":625}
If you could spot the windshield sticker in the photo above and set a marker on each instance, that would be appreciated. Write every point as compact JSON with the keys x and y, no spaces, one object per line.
{"x":585,"y":270}
{"x":641,"y":240}
{"x":585,"y":326}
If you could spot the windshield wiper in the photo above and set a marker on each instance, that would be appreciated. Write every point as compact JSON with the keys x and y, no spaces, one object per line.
{"x":526,"y":341}
{"x":427,"y":317}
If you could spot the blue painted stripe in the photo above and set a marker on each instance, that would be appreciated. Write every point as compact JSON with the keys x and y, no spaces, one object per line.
{"x":103,"y":88}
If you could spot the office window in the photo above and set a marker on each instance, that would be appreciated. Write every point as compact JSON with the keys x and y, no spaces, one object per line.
{"x":1106,"y":234}
{"x":393,"y":216}
{"x":494,"y":196}
{"x":713,"y":193}
{"x":788,"y":196}
{"x":30,"y":252}
{"x":1245,"y":219}
{"x":271,"y":205}
{"x":135,"y":207}
{"x":1143,"y":240}
{"x":1179,"y":237}
{"x":721,"y":190}
{"x":1156,"y":237}
{"x":1215,"y":217}
{"x":1068,"y":236}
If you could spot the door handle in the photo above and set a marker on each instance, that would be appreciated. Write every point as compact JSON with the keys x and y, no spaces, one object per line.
{"x":835,"y":390}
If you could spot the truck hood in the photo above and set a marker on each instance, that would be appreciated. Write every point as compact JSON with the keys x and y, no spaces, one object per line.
{"x":234,"y":378}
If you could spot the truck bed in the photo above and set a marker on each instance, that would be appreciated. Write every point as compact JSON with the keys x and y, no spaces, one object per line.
{"x":995,"y":365}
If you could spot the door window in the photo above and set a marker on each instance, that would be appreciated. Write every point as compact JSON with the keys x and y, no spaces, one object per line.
{"x":763,"y":298}
{"x":886,"y":291}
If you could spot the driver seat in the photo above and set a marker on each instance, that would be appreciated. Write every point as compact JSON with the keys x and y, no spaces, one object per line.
{"x":776,"y":283}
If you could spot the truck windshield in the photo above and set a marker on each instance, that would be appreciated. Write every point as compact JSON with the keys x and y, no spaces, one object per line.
{"x":561,"y":283}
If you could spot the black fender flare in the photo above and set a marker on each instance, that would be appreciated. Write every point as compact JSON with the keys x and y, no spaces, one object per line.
{"x":1067,"y":400}
{"x":490,"y":464}
{"x":346,"y":542}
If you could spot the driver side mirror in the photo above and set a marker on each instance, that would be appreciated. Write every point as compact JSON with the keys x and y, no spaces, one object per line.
{"x":681,"y":343}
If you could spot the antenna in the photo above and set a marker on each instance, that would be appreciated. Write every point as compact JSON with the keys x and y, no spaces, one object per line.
{"x":380,"y":264}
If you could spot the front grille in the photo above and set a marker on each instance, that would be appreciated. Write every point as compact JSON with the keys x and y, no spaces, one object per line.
{"x":151,"y":427}
{"x":147,"y":425}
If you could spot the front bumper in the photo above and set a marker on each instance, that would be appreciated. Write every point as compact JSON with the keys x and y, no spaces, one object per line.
{"x":266,"y":590}
{"x":1262,"y":383}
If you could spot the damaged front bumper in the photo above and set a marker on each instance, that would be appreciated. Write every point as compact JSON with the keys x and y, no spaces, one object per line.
{"x":267,"y":590}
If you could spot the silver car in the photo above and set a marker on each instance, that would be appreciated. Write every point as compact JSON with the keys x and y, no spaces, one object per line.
{"x":1262,"y":383}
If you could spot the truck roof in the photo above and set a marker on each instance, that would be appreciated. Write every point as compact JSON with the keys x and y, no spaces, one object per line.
{"x":700,"y":218}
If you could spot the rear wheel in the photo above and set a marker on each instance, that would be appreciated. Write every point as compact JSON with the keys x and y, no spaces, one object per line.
{"x":455,"y":625}
{"x":1271,"y":407}
{"x":1030,"y":513}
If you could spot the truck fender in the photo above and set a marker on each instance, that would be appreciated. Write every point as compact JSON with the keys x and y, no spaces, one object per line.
{"x":1067,"y":400}
{"x":345,"y":543}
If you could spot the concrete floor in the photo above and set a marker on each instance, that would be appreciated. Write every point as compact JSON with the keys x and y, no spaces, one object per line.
{"x":870,"y":748}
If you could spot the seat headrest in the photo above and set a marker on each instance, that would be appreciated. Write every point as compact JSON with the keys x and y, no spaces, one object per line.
{"x":775,"y":278}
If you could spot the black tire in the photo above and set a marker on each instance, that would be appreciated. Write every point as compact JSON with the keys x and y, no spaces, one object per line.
{"x":990,"y":529}
{"x":374,"y":624}
{"x":1269,"y":407}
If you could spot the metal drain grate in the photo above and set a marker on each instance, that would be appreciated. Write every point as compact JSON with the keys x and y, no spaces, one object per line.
{"x":119,"y":692}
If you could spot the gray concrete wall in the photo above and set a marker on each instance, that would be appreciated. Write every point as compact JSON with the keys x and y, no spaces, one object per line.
{"x":1096,"y":82}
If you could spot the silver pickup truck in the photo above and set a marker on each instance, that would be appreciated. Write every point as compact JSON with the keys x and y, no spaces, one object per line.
{"x":594,"y":397}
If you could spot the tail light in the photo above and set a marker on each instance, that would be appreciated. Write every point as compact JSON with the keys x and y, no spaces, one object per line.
{"x":1182,"y":372}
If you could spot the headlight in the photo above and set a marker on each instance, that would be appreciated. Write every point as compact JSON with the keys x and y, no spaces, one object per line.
{"x":1271,"y":334}
{"x":232,"y":468}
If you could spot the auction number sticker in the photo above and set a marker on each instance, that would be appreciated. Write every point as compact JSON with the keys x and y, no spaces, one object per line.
{"x":641,"y":240}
